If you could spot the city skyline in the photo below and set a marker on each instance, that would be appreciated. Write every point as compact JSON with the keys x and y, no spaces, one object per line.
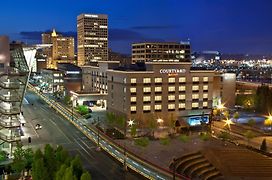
{"x":226,"y":26}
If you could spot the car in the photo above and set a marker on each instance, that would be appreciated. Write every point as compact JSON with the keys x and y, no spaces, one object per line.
{"x":38,"y":126}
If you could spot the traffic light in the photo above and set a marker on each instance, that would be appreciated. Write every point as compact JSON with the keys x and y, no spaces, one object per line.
{"x":29,"y":139}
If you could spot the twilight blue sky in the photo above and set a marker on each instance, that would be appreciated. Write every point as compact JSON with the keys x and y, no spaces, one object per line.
{"x":230,"y":26}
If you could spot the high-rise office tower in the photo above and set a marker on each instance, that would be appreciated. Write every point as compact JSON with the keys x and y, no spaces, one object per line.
{"x":92,"y":34}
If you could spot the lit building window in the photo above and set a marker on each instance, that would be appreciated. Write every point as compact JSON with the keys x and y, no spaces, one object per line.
{"x":171,"y":88}
{"x":181,"y":96}
{"x":195,"y":96}
{"x":171,"y":97}
{"x":195,"y":79}
{"x":171,"y":106}
{"x":195,"y":105}
{"x":205,"y":104}
{"x":146,"y":80}
{"x":182,"y":79}
{"x":181,"y":105}
{"x":205,"y":79}
{"x":146,"y":108}
{"x":147,"y":89}
{"x":205,"y":96}
{"x":133,"y":80}
{"x":171,"y":80}
{"x":133,"y":90}
{"x":158,"y":98}
{"x":133,"y":108}
{"x":146,"y":98}
{"x":158,"y":80}
{"x":133,"y":99}
{"x":158,"y":89}
{"x":195,"y":88}
{"x":205,"y":87}
{"x":158,"y":107}
{"x":182,"y":88}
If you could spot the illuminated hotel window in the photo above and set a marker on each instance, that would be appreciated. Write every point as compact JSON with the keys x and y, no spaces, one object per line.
{"x":133,"y":108}
{"x":205,"y":104}
{"x":171,"y":106}
{"x":133,"y":90}
{"x":195,"y":79}
{"x":158,"y":80}
{"x":146,"y":108}
{"x":146,"y":98}
{"x":147,"y":89}
{"x":133,"y":80}
{"x":171,"y":88}
{"x":195,"y":88}
{"x":158,"y":98}
{"x":205,"y":79}
{"x":195,"y":105}
{"x":146,"y":80}
{"x":182,"y":79}
{"x":133,"y":99}
{"x":195,"y":96}
{"x":181,"y":105}
{"x":171,"y":80}
{"x":171,"y":97}
{"x":205,"y":96}
{"x":158,"y":107}
{"x":158,"y":89}
{"x":181,"y":97}
{"x":205,"y":87}
{"x":182,"y":88}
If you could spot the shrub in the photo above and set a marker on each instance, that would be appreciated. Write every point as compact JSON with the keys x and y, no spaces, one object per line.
{"x":184,"y":138}
{"x":165,"y":141}
{"x":143,"y":142}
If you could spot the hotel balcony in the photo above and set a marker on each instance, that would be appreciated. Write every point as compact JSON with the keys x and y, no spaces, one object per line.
{"x":10,"y":111}
{"x":10,"y":138}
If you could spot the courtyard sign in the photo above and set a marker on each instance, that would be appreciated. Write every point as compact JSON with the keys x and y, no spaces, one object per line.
{"x":172,"y":71}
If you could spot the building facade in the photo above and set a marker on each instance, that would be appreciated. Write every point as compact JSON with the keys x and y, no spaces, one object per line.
{"x":92,"y":34}
{"x":14,"y":72}
{"x":161,"y":52}
{"x":52,"y":81}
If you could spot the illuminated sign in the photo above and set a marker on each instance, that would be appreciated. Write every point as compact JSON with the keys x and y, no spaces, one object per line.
{"x":91,"y":15}
{"x":172,"y":71}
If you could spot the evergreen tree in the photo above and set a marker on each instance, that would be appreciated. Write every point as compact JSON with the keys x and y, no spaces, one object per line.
{"x":50,"y":160}
{"x":263,"y":146}
{"x":86,"y":176}
{"x":77,"y":167}
{"x":60,"y":173}
{"x":69,"y":174}
{"x":39,"y":171}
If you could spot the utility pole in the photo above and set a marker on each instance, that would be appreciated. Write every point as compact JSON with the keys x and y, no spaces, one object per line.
{"x":125,"y":153}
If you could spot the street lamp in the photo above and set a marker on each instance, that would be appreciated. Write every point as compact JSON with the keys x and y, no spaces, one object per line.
{"x":268,"y":120}
{"x":130,"y":123}
{"x":228,"y":122}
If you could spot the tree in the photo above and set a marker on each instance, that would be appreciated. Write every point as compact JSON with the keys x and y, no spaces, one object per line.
{"x":29,"y":158}
{"x":224,"y":135}
{"x":249,"y":135}
{"x":18,"y":164}
{"x":236,"y":116}
{"x":39,"y":171}
{"x":153,"y":125}
{"x":86,"y":176}
{"x":77,"y":167}
{"x":60,"y":173}
{"x":110,"y":117}
{"x":68,"y":175}
{"x":251,"y":122}
{"x":165,"y":141}
{"x":263,"y":146}
{"x":82,"y":109}
{"x":67,"y":100}
{"x":133,"y":131}
{"x":49,"y":160}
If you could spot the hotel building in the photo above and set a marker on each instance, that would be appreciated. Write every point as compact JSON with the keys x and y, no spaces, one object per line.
{"x":161,"y":52}
{"x":166,"y":87}
{"x":92,"y":34}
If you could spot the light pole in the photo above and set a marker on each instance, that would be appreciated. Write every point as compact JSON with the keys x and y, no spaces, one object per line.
{"x":130,"y":124}
{"x":174,"y":168}
{"x":98,"y":135}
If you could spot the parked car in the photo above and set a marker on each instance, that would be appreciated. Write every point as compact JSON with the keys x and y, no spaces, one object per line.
{"x":38,"y":126}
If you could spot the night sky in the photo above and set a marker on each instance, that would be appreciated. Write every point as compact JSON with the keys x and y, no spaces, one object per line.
{"x":229,"y":26}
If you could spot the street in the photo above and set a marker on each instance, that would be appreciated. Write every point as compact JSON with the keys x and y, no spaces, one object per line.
{"x":58,"y":131}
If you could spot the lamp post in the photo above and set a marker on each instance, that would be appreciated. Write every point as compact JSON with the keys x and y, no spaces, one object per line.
{"x":98,"y":135}
{"x":130,"y":124}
